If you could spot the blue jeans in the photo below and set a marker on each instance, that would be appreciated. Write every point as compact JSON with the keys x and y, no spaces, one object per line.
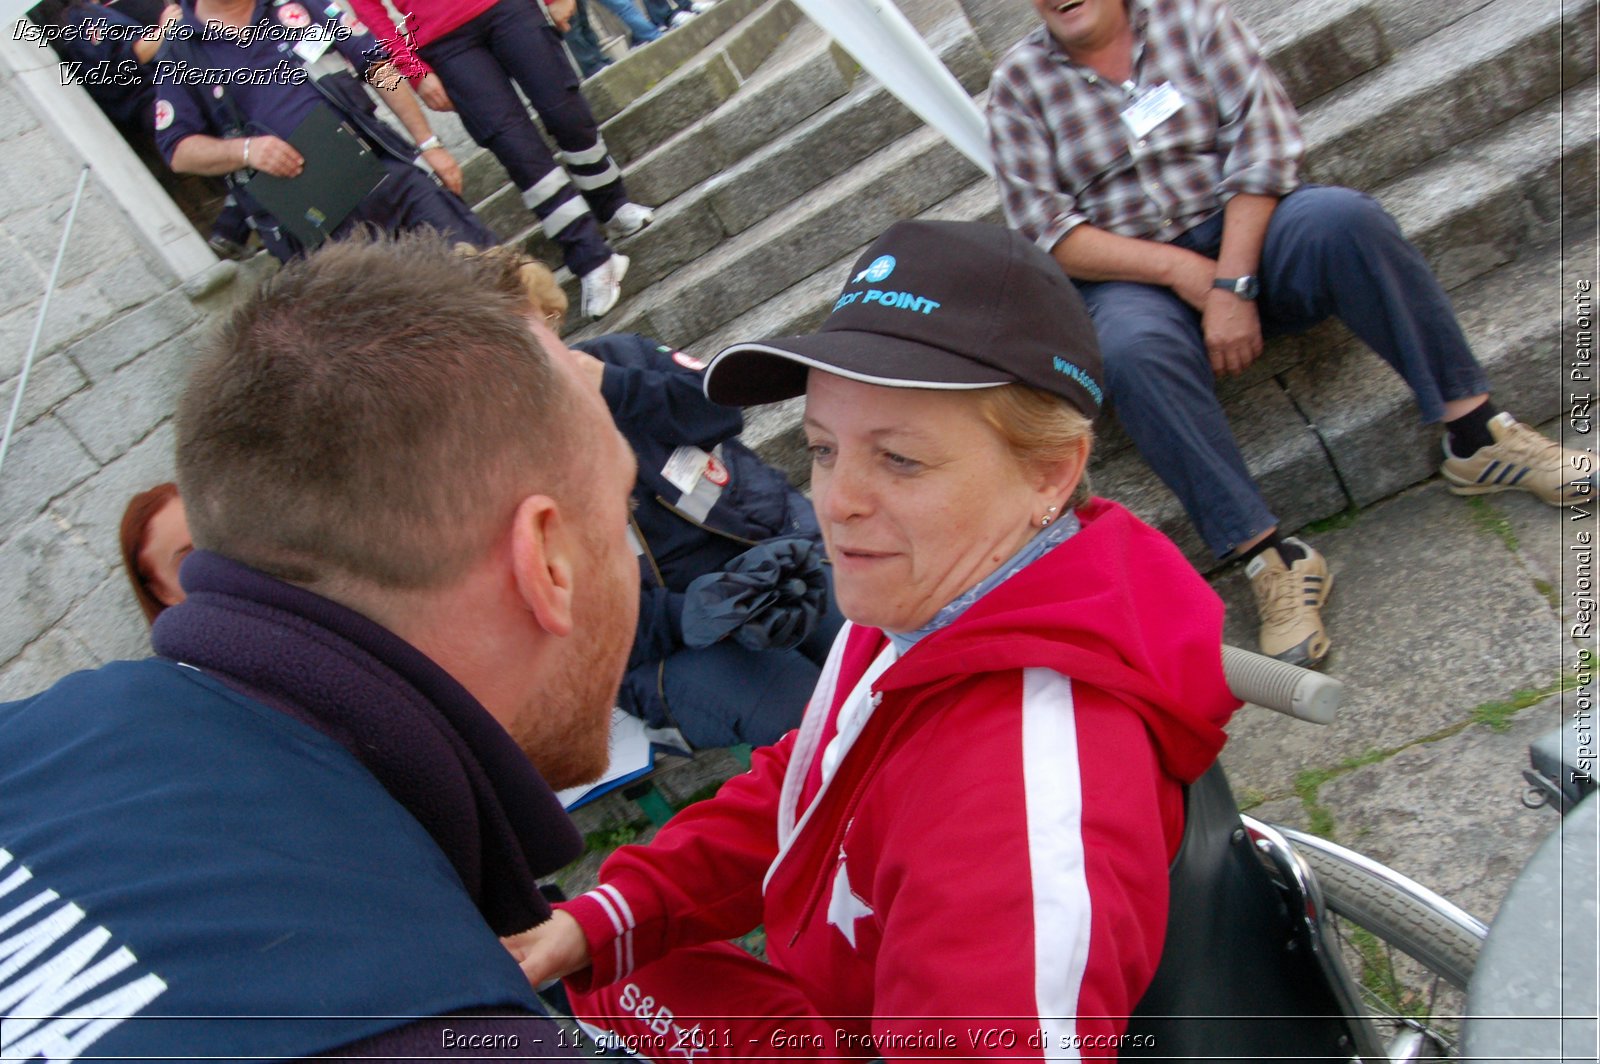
{"x":661,"y":11}
{"x":583,"y":44}
{"x":640,"y":29}
{"x":1328,"y":252}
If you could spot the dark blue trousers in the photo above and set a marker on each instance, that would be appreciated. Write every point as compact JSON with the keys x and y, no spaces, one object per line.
{"x":724,"y":694}
{"x":481,"y":65}
{"x":1328,"y":252}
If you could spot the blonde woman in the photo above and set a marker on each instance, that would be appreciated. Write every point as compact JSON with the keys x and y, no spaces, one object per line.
{"x":963,"y":850}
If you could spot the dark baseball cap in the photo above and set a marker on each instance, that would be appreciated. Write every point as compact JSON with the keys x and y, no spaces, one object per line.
{"x":944,"y":305}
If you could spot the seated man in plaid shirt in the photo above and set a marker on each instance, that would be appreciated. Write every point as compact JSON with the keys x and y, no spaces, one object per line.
{"x":1147,"y":145}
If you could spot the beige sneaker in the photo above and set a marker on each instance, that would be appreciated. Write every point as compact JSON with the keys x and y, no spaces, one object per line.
{"x":1289,"y":601}
{"x":1522,"y":460}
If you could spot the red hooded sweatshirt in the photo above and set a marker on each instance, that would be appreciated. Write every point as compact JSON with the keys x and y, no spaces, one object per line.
{"x":979,"y":863}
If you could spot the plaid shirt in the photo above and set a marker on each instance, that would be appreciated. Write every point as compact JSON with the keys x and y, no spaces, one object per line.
{"x":1065,"y":156}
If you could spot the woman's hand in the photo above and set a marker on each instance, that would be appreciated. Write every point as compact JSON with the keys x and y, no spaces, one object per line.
{"x":561,"y":12}
{"x":431,"y":89}
{"x":554,"y":949}
{"x":445,"y":166}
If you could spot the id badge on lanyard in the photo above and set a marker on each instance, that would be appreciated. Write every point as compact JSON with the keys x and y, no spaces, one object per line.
{"x":1151,"y":107}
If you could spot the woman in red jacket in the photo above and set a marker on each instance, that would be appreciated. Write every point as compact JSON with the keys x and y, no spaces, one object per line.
{"x":963,"y":850}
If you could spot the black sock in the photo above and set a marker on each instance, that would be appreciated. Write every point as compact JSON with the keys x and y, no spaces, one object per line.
{"x":1470,"y":431}
{"x":1289,"y":552}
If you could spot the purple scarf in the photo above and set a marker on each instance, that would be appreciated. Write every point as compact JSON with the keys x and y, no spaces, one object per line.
{"x":435,"y":749}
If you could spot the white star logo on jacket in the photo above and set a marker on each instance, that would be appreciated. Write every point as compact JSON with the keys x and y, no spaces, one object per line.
{"x":844,"y":908}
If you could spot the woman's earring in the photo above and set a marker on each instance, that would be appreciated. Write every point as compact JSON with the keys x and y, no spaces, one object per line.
{"x":1050,"y":515}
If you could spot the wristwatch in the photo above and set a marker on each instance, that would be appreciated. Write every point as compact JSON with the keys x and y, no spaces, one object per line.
{"x":1246,"y":287}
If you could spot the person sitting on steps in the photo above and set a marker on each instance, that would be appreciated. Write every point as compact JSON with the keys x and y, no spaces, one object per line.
{"x":1150,"y":149}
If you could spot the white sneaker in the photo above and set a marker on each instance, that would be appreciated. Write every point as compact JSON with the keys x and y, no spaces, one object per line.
{"x":680,"y":19}
{"x":602,"y":286}
{"x":629,"y":219}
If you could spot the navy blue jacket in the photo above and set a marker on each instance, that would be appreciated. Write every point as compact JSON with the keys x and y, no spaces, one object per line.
{"x":291,"y":814}
{"x":693,"y":513}
{"x":104,"y":62}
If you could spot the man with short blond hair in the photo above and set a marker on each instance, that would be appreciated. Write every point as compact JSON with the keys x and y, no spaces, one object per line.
{"x":307,"y":821}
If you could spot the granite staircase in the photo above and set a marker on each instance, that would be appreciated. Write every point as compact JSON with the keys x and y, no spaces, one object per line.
{"x":773,"y":161}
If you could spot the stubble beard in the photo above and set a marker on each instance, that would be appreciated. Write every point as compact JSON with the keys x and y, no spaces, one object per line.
{"x":568,"y":737}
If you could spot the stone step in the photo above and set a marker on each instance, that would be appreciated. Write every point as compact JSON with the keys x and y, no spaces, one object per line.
{"x":1405,"y":21}
{"x":801,"y":77}
{"x":1342,"y":429}
{"x":1455,"y":85}
{"x":1315,"y":48}
{"x":734,"y":274}
{"x":688,"y":224}
{"x":705,"y":82}
{"x":699,"y":87}
{"x":804,"y":74}
{"x":1472,"y":211}
{"x":776,"y":151}
{"x":845,"y":131}
{"x":642,"y":69}
{"x":862,"y":120}
{"x":822,"y":147}
{"x":677,"y":78}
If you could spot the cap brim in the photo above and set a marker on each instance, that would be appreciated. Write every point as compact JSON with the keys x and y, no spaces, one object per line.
{"x":767,"y":371}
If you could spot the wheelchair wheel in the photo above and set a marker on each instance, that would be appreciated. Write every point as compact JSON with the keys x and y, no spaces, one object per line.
{"x":1408,"y":951}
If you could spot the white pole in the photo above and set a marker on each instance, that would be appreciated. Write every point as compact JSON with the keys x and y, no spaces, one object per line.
{"x":888,"y":47}
{"x":38,"y":325}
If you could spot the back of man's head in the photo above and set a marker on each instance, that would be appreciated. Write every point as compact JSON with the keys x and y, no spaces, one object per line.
{"x":373,"y":413}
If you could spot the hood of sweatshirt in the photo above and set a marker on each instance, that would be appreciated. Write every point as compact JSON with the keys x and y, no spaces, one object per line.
{"x":1118,"y":607}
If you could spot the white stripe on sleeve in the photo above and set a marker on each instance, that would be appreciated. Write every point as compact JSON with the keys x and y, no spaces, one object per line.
{"x":622,"y":904}
{"x":627,"y":915}
{"x":1061,"y":906}
{"x":604,"y":901}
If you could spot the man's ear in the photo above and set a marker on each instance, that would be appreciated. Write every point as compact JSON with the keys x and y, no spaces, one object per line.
{"x":543,"y":562}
